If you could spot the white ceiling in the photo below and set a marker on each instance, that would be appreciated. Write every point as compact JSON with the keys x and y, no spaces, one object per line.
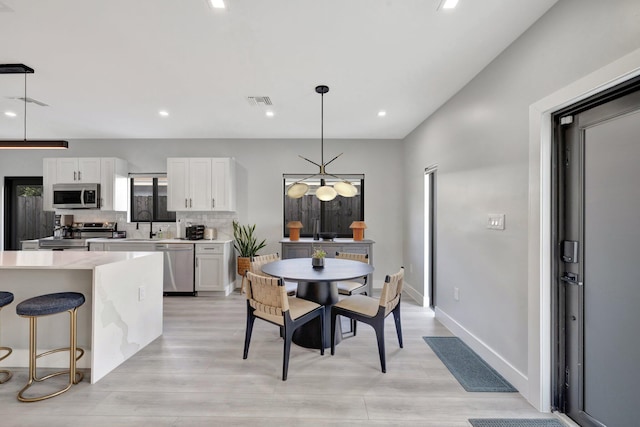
{"x":106,"y":68}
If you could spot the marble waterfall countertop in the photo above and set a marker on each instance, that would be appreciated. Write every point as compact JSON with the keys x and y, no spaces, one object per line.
{"x":122,"y":313}
{"x":65,"y":260}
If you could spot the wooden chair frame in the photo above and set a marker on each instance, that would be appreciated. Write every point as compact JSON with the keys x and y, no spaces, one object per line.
{"x":376,"y":321}
{"x":289,"y":324}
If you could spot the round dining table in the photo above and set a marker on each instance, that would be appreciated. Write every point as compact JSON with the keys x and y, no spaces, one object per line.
{"x":318,"y":285}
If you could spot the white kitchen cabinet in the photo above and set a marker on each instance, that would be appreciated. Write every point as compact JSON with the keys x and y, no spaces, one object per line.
{"x":223,"y":184}
{"x":200,"y":184}
{"x":214,"y":267}
{"x":49,"y":176}
{"x":110,"y":172}
{"x":71,"y":170}
{"x":96,"y":246}
{"x":30,"y":245}
{"x":189,"y":184}
{"x":114,"y":188}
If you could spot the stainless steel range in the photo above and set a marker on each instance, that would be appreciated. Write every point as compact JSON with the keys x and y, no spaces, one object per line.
{"x":75,"y":236}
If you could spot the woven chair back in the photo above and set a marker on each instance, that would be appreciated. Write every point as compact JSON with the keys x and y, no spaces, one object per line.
{"x":354,"y":257}
{"x":390,"y":296}
{"x":267,"y":294}
{"x":258,"y":261}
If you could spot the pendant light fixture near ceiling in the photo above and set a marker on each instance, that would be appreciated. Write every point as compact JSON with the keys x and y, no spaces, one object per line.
{"x":325,"y":192}
{"x":24,"y":143}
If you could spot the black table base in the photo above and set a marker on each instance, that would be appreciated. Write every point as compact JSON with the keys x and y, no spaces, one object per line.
{"x":325,"y":294}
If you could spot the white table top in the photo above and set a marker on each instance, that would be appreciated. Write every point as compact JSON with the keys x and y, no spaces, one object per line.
{"x":64,"y":260}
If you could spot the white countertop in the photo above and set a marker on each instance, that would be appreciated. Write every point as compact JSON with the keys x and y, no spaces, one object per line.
{"x":125,"y":240}
{"x":105,"y":240}
{"x":64,"y":260}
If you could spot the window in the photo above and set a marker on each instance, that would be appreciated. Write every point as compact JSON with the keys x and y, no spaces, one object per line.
{"x":149,"y":199}
{"x":336,"y":215}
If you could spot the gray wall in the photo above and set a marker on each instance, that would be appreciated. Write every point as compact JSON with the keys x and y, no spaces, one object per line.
{"x":479,"y":139}
{"x":260,"y":165}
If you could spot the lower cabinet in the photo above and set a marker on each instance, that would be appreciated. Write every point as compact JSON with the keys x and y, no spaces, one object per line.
{"x":214,"y":268}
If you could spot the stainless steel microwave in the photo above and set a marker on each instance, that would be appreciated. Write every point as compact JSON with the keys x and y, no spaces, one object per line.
{"x":76,"y":196}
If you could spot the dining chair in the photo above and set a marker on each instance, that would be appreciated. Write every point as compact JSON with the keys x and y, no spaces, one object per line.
{"x":373,"y":311}
{"x":267,"y":299}
{"x":256,"y":268}
{"x":353,"y":287}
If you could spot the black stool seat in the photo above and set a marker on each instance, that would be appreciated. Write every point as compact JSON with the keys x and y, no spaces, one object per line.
{"x":5,"y":298}
{"x":43,"y":305}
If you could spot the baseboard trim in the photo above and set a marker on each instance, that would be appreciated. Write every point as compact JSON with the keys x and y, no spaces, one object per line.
{"x":414,"y":294}
{"x":497,"y":362}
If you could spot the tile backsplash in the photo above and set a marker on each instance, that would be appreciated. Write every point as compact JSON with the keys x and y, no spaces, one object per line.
{"x":221,"y":221}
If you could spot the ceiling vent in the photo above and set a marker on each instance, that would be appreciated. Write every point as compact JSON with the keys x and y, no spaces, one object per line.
{"x":259,"y":100}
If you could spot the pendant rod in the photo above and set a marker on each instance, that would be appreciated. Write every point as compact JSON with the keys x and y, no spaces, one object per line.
{"x":322,"y":128}
{"x":25,"y":106}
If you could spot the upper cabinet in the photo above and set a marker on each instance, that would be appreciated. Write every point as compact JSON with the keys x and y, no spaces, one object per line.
{"x":201,"y":184}
{"x":71,"y":170}
{"x":111,"y":173}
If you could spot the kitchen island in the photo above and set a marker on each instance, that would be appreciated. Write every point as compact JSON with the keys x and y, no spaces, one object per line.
{"x":122,"y":313}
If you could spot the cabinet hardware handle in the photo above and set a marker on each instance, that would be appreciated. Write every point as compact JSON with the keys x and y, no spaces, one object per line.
{"x":185,"y":203}
{"x":74,"y":176}
{"x":190,"y":203}
{"x":79,"y":179}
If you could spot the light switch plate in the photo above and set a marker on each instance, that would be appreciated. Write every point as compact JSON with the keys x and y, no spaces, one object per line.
{"x":495,"y":222}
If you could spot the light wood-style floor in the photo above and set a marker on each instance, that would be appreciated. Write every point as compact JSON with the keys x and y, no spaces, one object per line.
{"x":194,"y":375}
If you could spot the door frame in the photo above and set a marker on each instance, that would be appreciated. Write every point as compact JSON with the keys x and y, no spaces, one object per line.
{"x":430,"y":249}
{"x":9,"y":209}
{"x":539,"y":217}
{"x":620,"y":104}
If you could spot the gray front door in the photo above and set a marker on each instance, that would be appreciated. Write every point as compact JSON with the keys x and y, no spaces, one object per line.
{"x":598,"y":263}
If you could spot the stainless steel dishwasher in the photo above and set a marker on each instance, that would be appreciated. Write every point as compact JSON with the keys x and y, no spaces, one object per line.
{"x":178,"y":268}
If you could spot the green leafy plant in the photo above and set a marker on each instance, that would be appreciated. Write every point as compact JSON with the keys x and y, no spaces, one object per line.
{"x":318,"y":253}
{"x":245,"y":241}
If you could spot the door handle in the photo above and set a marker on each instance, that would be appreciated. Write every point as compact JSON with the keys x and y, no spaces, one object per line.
{"x":570,"y":278}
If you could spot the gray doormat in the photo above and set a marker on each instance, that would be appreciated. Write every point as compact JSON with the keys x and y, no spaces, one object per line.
{"x":515,"y":422}
{"x":473,"y":373}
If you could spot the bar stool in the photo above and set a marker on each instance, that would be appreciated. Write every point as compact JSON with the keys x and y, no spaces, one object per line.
{"x":6,"y":298}
{"x":45,"y":305}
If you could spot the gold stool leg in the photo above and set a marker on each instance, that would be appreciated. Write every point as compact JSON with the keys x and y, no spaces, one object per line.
{"x":74,"y":377}
{"x":5,"y":374}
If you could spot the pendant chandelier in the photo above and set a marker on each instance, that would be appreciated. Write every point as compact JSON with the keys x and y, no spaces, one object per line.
{"x":22,"y":144}
{"x":325,"y":192}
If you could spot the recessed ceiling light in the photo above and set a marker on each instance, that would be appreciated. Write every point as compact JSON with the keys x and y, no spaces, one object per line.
{"x":163,"y":113}
{"x":382,"y":113}
{"x":217,"y":4}
{"x":10,"y":114}
{"x":449,"y":4}
{"x":270,"y":114}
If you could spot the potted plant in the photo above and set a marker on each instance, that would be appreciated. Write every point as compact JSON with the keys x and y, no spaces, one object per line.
{"x":317,"y":258}
{"x":246,"y":244}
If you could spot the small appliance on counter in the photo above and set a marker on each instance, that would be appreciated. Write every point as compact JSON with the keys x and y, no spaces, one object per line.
{"x":194,"y":232}
{"x":210,"y":233}
{"x":74,"y":237}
